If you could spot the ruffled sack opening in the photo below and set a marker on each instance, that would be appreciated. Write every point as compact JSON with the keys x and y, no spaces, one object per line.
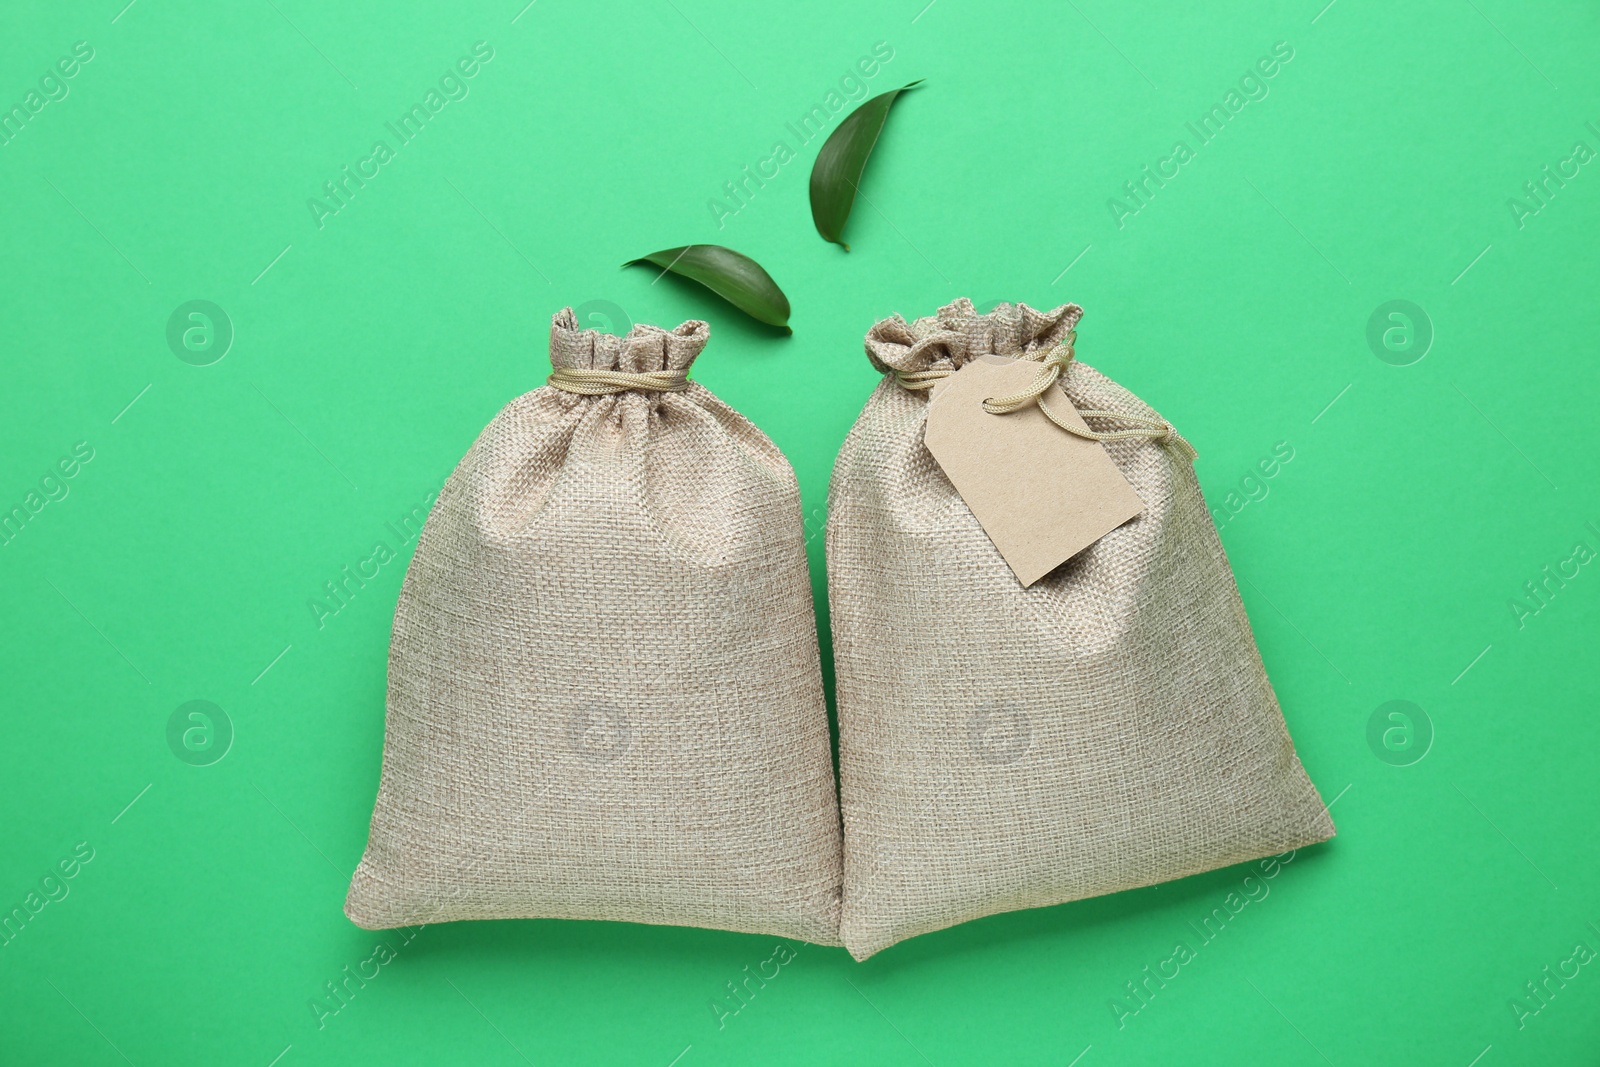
{"x":643,"y":348}
{"x":959,"y":334}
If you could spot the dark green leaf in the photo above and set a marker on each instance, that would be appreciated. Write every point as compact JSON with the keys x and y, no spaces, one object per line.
{"x":836,"y":175}
{"x":735,"y":277}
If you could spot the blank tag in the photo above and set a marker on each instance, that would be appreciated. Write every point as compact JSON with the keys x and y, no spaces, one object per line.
{"x":1041,"y":494}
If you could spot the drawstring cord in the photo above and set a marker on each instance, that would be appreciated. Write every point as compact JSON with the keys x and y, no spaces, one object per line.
{"x":1055,"y":363}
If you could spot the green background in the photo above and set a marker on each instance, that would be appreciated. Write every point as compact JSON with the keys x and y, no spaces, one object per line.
{"x":1380,"y":564}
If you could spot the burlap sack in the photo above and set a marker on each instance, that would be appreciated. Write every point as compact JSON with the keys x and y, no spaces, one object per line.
{"x":1003,"y":747}
{"x":605,"y":700}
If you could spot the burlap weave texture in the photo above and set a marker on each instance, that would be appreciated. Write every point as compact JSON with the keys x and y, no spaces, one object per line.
{"x":1004,"y":747}
{"x":604,"y":694}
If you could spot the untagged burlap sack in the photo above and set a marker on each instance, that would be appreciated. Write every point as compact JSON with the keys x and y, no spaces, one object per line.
{"x":605,"y":700}
{"x":1003,"y":747}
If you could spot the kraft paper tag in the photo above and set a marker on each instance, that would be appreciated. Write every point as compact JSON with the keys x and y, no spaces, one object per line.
{"x":1041,"y":494}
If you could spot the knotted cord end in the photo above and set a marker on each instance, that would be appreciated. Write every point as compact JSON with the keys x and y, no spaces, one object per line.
{"x":1054,"y":363}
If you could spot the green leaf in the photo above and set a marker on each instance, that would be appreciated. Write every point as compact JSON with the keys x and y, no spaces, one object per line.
{"x":735,"y":277}
{"x":836,"y":174}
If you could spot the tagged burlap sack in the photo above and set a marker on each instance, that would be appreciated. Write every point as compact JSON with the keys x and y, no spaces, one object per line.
{"x":1003,"y":747}
{"x":605,"y":700}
